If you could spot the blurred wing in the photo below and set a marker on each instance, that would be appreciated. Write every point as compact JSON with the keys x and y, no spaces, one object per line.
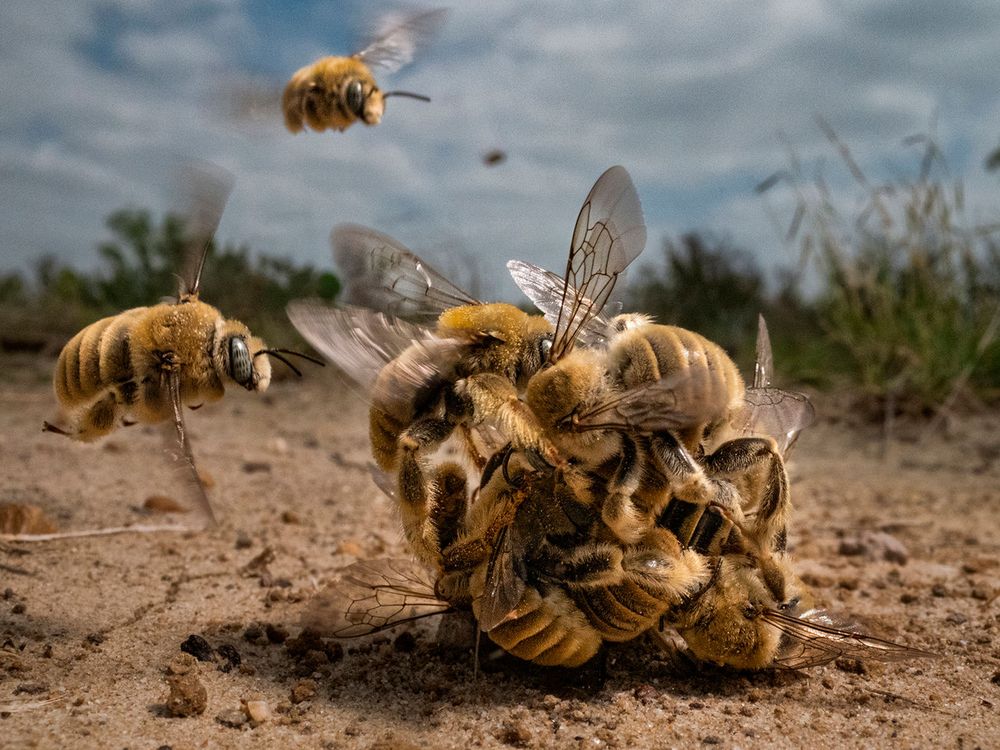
{"x":670,"y":403}
{"x":371,"y":596}
{"x":816,"y":638}
{"x":776,"y":413}
{"x":504,"y":588}
{"x":763,"y":368}
{"x":383,"y":274}
{"x":208,"y":187}
{"x":547,"y":291}
{"x":362,"y":342}
{"x":400,"y":39}
{"x":609,"y":234}
{"x":192,"y":487}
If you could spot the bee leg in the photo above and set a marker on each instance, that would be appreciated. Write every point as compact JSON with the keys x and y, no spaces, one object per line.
{"x":430,"y":508}
{"x":619,"y":512}
{"x":755,"y":468}
{"x":686,"y":476}
{"x":587,"y":565}
{"x":490,"y":396}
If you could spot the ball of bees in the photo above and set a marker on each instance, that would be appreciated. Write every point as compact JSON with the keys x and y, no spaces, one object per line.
{"x":336,"y":92}
{"x":662,"y":507}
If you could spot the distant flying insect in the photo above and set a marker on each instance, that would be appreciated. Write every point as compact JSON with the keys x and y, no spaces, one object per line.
{"x":494,"y":157}
{"x":336,"y":92}
{"x":145,"y":364}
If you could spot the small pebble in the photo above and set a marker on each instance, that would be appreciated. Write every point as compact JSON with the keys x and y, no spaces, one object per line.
{"x":163,"y":504}
{"x":256,"y":467}
{"x":257,"y":711}
{"x":291,"y":517}
{"x":232,"y":717}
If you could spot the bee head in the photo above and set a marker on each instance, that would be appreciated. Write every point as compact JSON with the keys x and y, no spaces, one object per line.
{"x":237,"y":356}
{"x":364,"y":100}
{"x":724,"y":624}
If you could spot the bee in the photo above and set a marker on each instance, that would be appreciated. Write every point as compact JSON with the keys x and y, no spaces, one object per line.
{"x":144,"y":364}
{"x":336,"y":92}
{"x":470,"y":368}
{"x":660,"y":402}
{"x":531,"y":563}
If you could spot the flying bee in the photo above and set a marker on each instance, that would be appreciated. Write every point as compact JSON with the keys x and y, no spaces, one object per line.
{"x":471,"y":368}
{"x":336,"y":92}
{"x":145,"y":364}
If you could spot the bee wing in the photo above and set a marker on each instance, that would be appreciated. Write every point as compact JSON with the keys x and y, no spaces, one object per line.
{"x":371,"y":596}
{"x":208,"y":187}
{"x":383,"y":274}
{"x":609,"y":234}
{"x":774,"y":412}
{"x":184,"y":461}
{"x":504,"y":587}
{"x":400,"y":39}
{"x":763,"y":368}
{"x":816,"y":637}
{"x":362,"y":342}
{"x":670,"y":403}
{"x":548,"y":290}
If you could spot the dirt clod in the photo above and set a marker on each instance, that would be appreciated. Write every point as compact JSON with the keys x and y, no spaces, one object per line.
{"x":515,"y":734}
{"x":163,"y":504}
{"x":243,"y":540}
{"x":256,"y":467}
{"x":182,"y":664}
{"x":198,"y":647}
{"x":405,"y":642}
{"x":276,"y":633}
{"x":230,"y":657}
{"x":187,"y":697}
{"x":303,"y":690}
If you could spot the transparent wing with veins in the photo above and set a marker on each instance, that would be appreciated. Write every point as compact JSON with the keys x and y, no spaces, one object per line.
{"x":399,"y":40}
{"x":772,"y":411}
{"x":383,"y":274}
{"x":208,"y":187}
{"x":372,"y":596}
{"x":609,"y":234}
{"x":816,"y":637}
{"x":547,"y":290}
{"x":362,"y":342}
{"x":674,"y":401}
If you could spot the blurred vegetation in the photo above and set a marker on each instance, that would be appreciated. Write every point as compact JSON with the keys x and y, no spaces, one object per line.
{"x":140,"y":267}
{"x":907,"y":311}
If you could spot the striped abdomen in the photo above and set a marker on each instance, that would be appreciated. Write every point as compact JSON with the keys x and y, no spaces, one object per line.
{"x":96,"y":359}
{"x":547,"y":628}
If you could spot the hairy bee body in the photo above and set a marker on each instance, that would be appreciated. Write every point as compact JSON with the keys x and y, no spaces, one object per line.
{"x":112,"y":369}
{"x":316,"y":96}
{"x":499,"y":348}
{"x":651,"y":352}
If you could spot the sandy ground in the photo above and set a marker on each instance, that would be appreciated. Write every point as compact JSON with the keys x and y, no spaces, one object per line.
{"x":93,"y":623}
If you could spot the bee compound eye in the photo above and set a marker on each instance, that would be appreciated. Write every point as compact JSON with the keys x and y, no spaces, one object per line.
{"x":240,"y":362}
{"x":544,"y":347}
{"x":355,"y":97}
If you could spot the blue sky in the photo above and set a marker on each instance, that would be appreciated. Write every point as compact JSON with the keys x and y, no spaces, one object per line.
{"x":102,"y":102}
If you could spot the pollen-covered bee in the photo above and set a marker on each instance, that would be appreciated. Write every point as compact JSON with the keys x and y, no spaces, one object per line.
{"x":143,"y":365}
{"x":660,"y":403}
{"x":472,"y":367}
{"x":544,"y":582}
{"x":336,"y":92}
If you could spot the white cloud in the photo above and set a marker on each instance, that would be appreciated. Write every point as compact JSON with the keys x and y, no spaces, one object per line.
{"x":689,"y":97}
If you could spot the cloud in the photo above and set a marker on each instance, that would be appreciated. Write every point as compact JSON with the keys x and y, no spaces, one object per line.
{"x":104,"y":100}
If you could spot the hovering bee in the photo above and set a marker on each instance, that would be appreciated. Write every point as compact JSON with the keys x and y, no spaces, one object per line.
{"x":145,"y":364}
{"x":336,"y":92}
{"x":471,"y":368}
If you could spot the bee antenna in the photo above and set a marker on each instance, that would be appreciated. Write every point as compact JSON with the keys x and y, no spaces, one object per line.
{"x":276,"y":353}
{"x":408,"y":94}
